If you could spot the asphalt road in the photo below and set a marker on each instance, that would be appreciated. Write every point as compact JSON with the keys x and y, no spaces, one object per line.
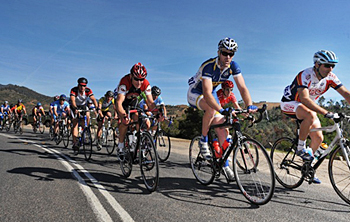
{"x":44,"y":182}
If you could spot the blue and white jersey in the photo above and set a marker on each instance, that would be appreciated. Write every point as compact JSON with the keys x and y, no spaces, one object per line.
{"x":210,"y":69}
{"x":61,"y":108}
{"x":159,"y":101}
{"x":5,"y":108}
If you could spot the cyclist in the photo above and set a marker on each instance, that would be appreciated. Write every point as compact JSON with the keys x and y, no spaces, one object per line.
{"x":202,"y":92}
{"x":129,"y":88}
{"x":299,"y":98}
{"x":37,"y":111}
{"x":4,"y":111}
{"x":226,"y":95}
{"x":78,"y":98}
{"x":19,"y":109}
{"x":103,"y":104}
{"x":60,"y":108}
{"x":52,"y":104}
{"x":158,"y":101}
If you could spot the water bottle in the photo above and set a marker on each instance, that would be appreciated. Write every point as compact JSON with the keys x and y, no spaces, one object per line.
{"x":217,"y":148}
{"x":79,"y":131}
{"x":320,"y":150}
{"x":103,"y":132}
{"x":227,"y":142}
{"x":133,"y":141}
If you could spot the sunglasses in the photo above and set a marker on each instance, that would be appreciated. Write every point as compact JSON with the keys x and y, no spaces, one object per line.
{"x":82,"y":85}
{"x":231,"y":54}
{"x":138,"y":80}
{"x":329,"y":65}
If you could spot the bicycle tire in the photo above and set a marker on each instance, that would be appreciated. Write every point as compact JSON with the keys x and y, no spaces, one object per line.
{"x":87,"y":143}
{"x":286,"y":163}
{"x":115,"y":142}
{"x":148,"y":159}
{"x":256,"y":181}
{"x":126,"y":163}
{"x":7,"y":125}
{"x":109,"y":143}
{"x":65,"y":136}
{"x":93,"y":131}
{"x":41,"y":128}
{"x":163,"y":145}
{"x":339,"y":173}
{"x":51,"y":133}
{"x":202,"y":169}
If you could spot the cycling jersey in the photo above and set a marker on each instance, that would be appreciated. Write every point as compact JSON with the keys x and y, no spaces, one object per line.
{"x":105,"y":105}
{"x":210,"y":69}
{"x":5,"y":108}
{"x":38,"y":110}
{"x":19,"y":108}
{"x":81,"y":99}
{"x":61,"y":108}
{"x":223,"y":100}
{"x":159,"y":101}
{"x":126,"y":88}
{"x":308,"y":79}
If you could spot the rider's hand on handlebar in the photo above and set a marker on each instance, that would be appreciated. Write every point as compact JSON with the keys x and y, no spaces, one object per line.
{"x":226,"y":112}
{"x":331,"y":115}
{"x":252,"y":108}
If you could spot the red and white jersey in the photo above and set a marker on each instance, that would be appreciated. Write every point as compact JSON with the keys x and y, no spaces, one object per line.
{"x":308,"y":79}
{"x":81,"y":99}
{"x":126,"y":88}
{"x":223,"y":100}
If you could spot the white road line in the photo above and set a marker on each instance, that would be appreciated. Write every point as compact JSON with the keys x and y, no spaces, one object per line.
{"x":99,"y":210}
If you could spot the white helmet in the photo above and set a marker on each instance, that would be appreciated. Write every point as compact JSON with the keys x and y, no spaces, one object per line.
{"x":228,"y":43}
{"x":325,"y":56}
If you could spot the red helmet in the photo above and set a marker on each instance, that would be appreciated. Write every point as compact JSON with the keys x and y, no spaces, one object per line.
{"x":227,"y":84}
{"x":138,"y":71}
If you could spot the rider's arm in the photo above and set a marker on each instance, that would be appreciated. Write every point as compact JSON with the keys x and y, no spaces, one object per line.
{"x":92,"y":97}
{"x":55,"y":110}
{"x":72,"y":100}
{"x":243,"y":90}
{"x":208,"y":96}
{"x":119,"y":106}
{"x":150,"y":102}
{"x":305,"y":99}
{"x":345,"y":93}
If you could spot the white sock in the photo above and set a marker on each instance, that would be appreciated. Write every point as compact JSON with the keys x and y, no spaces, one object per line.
{"x":121,"y":146}
{"x":301,"y":144}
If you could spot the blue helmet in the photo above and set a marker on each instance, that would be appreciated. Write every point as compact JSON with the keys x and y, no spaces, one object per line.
{"x":325,"y":56}
{"x":38,"y":104}
{"x":63,"y":97}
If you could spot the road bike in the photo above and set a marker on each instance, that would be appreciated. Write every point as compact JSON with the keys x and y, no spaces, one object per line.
{"x":84,"y":135}
{"x":108,"y":136}
{"x":38,"y":125}
{"x":252,"y":165}
{"x":140,"y":149}
{"x":162,"y":140}
{"x":17,"y":126}
{"x":63,"y":132}
{"x":291,"y":171}
{"x":6,"y":124}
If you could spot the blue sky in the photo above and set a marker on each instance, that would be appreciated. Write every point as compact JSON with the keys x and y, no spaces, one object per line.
{"x":47,"y":45}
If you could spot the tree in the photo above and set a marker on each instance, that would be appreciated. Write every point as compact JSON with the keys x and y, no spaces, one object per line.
{"x":321,"y":100}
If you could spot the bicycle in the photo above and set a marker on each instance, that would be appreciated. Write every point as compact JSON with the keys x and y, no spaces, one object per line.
{"x":84,"y":135}
{"x":142,"y":152}
{"x":252,"y":165}
{"x":17,"y":126}
{"x":291,"y":171}
{"x":63,"y":132}
{"x":107,"y":136}
{"x":38,"y":126}
{"x":6,"y":123}
{"x":162,"y":141}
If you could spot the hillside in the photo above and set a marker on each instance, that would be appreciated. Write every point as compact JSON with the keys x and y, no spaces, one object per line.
{"x":12,"y":93}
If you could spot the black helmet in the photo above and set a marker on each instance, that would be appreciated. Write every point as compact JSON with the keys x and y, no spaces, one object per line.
{"x":82,"y":81}
{"x":156,"y":91}
{"x":57,"y":97}
{"x":109,"y":93}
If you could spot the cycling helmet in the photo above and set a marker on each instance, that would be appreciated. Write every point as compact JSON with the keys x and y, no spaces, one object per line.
{"x":57,"y":97}
{"x":109,"y":93}
{"x":20,"y":101}
{"x":227,"y":84}
{"x":63,"y":97}
{"x":82,"y":81}
{"x":38,"y":104}
{"x":138,"y":71}
{"x":229,"y":44}
{"x":325,"y":56}
{"x":156,"y":91}
{"x":6,"y":102}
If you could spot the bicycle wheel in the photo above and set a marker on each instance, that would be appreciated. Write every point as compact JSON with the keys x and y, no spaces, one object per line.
{"x":286,"y":163}
{"x":202,"y":169}
{"x":87,"y":143}
{"x":163,"y":145}
{"x":93,"y":130}
{"x":257,"y":180}
{"x":41,"y":128}
{"x":115,"y":142}
{"x":148,"y":160}
{"x":7,"y":125}
{"x":251,"y":152}
{"x":65,"y":136}
{"x":126,"y":163}
{"x":110,"y":140}
{"x":51,"y":133}
{"x":339,"y":173}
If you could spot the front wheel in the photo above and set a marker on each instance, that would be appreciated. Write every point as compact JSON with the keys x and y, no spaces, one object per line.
{"x":41,"y":128}
{"x":126,"y":162}
{"x":202,"y":169}
{"x":87,"y":143}
{"x":286,"y":163}
{"x":339,"y":172}
{"x":148,"y":160}
{"x":65,"y":136}
{"x":163,"y":145}
{"x":110,"y":140}
{"x":255,"y":176}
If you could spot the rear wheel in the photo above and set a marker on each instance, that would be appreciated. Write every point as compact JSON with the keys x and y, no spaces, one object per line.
{"x":339,"y":172}
{"x":87,"y":143}
{"x":41,"y":127}
{"x":202,"y":169}
{"x":126,"y":162}
{"x":286,"y":163}
{"x":163,"y":145}
{"x":65,"y":136}
{"x":148,"y":160}
{"x":110,"y":140}
{"x":255,"y":176}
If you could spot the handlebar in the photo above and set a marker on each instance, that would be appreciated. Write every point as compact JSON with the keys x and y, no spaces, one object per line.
{"x":261,"y":111}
